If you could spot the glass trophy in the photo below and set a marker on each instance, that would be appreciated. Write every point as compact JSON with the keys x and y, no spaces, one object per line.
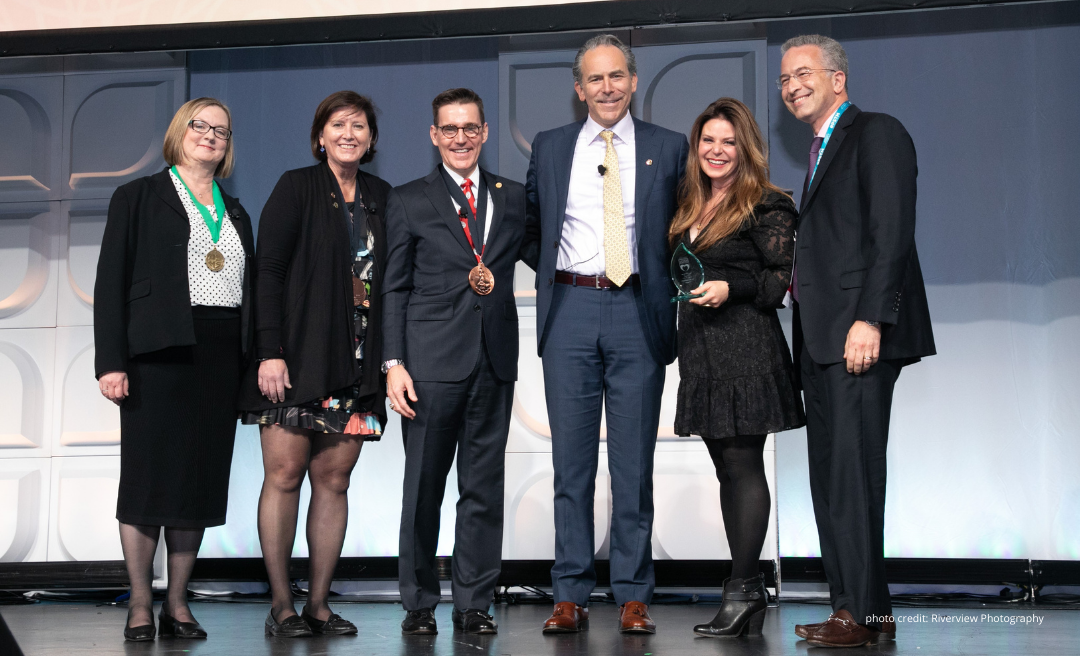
{"x":687,"y":273}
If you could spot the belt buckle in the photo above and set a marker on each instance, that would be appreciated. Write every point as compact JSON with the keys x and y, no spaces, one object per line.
{"x":596,"y":282}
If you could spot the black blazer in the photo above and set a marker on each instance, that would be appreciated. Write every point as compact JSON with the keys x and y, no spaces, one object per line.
{"x":434,"y":320}
{"x":142,"y":302}
{"x":303,"y":291}
{"x":661,"y":159}
{"x":855,"y":244}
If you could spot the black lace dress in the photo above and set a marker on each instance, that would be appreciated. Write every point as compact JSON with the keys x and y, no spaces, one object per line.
{"x":734,"y":363}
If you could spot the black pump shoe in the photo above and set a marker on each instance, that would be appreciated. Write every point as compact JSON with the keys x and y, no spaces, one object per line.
{"x":140,"y":633}
{"x":170,"y":627}
{"x":742,"y":612}
{"x":334,"y":625}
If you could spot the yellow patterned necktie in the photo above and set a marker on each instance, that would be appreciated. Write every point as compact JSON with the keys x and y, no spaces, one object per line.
{"x":616,"y":251}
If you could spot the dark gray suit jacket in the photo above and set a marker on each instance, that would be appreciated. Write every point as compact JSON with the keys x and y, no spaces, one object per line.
{"x":855,"y":245}
{"x":433,"y":320}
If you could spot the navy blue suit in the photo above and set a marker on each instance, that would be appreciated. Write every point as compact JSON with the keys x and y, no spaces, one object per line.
{"x":604,"y":349}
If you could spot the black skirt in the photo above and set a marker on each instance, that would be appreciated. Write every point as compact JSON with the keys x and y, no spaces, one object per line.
{"x":177,"y":427}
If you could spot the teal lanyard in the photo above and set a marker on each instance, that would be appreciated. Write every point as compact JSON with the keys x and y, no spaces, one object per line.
{"x":828,"y":135}
{"x":219,"y":204}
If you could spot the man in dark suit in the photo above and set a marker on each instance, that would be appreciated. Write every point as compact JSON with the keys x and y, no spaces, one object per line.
{"x":860,"y":315}
{"x":451,"y":345}
{"x":600,"y":195}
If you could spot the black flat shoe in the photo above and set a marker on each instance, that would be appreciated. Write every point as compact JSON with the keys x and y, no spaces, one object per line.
{"x":419,"y":622}
{"x":334,"y":625}
{"x":290,"y":627}
{"x":139,"y":633}
{"x":170,"y":627}
{"x":474,"y":621}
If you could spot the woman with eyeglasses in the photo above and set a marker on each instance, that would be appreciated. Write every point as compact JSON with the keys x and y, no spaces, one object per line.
{"x":172,"y":326}
{"x":317,"y":391}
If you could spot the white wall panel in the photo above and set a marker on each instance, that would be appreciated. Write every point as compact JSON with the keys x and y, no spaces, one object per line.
{"x":82,"y":512}
{"x":31,"y":111}
{"x":82,"y":224}
{"x":26,"y":390}
{"x":24,"y":514}
{"x":85,"y":422}
{"x":28,"y":264}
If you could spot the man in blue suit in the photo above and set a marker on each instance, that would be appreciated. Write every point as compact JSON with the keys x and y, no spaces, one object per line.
{"x":599,"y":196}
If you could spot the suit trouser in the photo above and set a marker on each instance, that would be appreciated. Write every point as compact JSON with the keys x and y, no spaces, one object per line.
{"x":472,"y":417}
{"x":596,"y":355}
{"x":847,"y":432}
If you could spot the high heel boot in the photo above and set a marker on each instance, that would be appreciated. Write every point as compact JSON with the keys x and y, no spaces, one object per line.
{"x":742,"y":612}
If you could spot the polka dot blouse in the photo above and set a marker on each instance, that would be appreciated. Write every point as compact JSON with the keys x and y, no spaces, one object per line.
{"x":223,"y":288}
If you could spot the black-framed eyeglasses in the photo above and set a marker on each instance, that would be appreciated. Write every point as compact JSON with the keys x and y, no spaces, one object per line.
{"x":472,"y":130}
{"x":202,"y":127}
{"x":803,"y":75}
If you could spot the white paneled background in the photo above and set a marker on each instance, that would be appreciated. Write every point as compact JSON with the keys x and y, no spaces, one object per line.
{"x":75,"y":129}
{"x":86,"y":125}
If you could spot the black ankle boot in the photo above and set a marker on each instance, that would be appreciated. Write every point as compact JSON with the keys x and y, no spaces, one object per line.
{"x":743,"y":610}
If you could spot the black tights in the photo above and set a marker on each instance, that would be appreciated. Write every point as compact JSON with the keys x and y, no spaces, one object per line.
{"x":744,"y":498}
{"x":140,"y":544}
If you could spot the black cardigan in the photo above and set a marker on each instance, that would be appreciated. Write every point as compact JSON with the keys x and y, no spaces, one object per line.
{"x":303,"y":291}
{"x":142,"y":302}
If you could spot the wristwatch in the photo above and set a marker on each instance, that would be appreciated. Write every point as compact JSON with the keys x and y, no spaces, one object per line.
{"x":872,"y":324}
{"x":390,"y":364}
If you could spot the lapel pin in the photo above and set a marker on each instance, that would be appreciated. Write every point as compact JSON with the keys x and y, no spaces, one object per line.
{"x":648,"y":162}
{"x":335,"y":205}
{"x":332,"y":195}
{"x":498,"y":185}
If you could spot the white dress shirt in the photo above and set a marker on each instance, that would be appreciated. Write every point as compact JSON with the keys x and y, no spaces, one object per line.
{"x":581,"y":246}
{"x":475,"y":177}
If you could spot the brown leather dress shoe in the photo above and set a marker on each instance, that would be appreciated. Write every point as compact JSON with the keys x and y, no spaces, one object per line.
{"x":841,"y":630}
{"x":804,"y":630}
{"x":567,"y":617}
{"x":888,"y":631}
{"x":634,"y":618}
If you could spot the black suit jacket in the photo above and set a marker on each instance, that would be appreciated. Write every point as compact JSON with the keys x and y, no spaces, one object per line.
{"x":434,"y":321}
{"x":303,"y":290}
{"x":141,"y":298}
{"x":855,"y":246}
{"x":661,"y":159}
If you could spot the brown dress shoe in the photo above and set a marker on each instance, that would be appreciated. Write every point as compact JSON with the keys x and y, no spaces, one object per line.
{"x":841,"y":630}
{"x":888,"y":631}
{"x":804,"y":630}
{"x":567,"y":617}
{"x":634,"y":618}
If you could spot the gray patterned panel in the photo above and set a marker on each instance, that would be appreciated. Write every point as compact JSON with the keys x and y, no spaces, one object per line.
{"x":114,"y":127}
{"x":30,"y":115}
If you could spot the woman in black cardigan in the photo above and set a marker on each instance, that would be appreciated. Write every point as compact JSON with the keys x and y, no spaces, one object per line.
{"x":317,"y":390}
{"x":171,"y":327}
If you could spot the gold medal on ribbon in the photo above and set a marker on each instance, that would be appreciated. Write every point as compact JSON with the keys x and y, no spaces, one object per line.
{"x":481,"y":280}
{"x":215,"y":261}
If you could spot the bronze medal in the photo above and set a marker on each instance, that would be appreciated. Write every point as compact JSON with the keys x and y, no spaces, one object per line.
{"x":359,"y":293}
{"x":481,"y":280}
{"x":215,"y":261}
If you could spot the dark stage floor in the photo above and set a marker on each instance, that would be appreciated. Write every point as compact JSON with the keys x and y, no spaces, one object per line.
{"x":236,"y":629}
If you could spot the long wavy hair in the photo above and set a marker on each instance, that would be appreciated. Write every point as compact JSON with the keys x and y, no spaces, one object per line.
{"x":750,"y":184}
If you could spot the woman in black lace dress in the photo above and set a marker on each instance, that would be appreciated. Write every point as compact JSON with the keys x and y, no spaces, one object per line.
{"x":737,"y":383}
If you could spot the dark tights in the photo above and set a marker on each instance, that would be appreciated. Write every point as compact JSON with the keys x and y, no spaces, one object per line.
{"x":744,"y":498}
{"x":140,"y":544}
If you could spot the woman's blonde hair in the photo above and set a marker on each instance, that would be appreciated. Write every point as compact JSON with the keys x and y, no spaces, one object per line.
{"x":751,"y":178}
{"x":173,"y":148}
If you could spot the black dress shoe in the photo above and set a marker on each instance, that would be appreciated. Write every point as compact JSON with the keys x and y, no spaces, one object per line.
{"x":334,"y":625}
{"x":419,"y":622}
{"x":170,"y":627}
{"x":290,"y":627}
{"x":742,"y":612}
{"x":472,"y":620}
{"x":140,"y":633}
